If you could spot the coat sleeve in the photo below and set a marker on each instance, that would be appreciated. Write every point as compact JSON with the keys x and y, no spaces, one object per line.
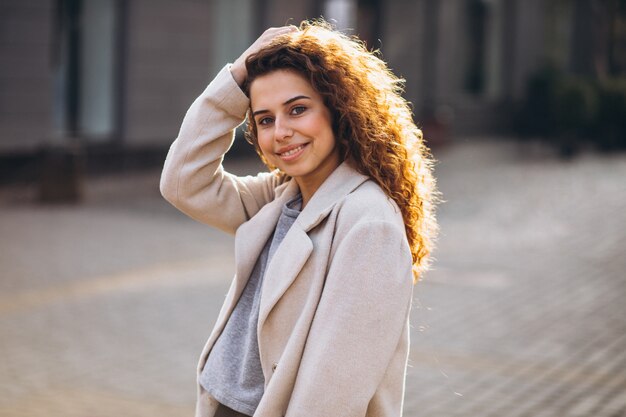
{"x":358,"y":323}
{"x":193,"y":179}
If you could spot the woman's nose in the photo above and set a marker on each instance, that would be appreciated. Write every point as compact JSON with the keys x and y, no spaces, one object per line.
{"x":282,"y":129}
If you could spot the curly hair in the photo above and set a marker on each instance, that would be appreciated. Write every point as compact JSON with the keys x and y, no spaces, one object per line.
{"x":371,"y":120}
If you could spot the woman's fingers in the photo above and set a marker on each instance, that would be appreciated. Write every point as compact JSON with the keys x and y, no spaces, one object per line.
{"x":238,"y":69}
{"x":267,"y":37}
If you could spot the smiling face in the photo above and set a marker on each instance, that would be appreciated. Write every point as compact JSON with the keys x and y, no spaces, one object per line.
{"x":294,"y":128}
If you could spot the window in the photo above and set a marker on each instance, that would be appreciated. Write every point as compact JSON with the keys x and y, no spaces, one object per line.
{"x":85,"y":69}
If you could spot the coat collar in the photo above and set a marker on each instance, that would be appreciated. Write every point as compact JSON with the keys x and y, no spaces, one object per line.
{"x":252,"y":235}
{"x":296,"y":247}
{"x":341,"y":182}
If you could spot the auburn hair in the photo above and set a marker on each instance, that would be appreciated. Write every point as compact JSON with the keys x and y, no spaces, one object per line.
{"x":372,"y":122}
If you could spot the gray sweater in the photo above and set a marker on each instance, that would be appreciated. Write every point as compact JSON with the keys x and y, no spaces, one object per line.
{"x":232,"y":373}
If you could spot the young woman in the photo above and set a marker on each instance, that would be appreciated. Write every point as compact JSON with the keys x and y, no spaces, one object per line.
{"x":327,"y":245}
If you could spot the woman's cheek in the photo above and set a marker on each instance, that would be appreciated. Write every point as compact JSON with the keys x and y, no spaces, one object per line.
{"x":265,"y":144}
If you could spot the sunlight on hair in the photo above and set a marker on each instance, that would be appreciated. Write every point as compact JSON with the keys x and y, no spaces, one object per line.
{"x":373,"y":124}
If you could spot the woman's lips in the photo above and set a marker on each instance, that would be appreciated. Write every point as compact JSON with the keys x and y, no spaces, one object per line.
{"x":292,"y":153}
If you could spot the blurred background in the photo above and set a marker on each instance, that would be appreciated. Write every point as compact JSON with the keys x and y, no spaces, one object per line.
{"x":107,"y":294}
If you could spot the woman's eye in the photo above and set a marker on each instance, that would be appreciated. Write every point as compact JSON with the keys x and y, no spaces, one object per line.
{"x":265,"y":121}
{"x":298,"y":110}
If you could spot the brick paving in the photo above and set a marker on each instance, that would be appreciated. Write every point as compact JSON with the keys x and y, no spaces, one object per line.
{"x":104,"y":307}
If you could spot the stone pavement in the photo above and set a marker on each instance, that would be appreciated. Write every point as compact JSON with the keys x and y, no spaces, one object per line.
{"x":104,"y":307}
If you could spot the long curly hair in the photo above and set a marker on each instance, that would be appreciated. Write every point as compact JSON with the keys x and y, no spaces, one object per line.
{"x":371,"y":120}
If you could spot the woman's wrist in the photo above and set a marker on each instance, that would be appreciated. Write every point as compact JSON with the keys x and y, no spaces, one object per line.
{"x":238,"y":72}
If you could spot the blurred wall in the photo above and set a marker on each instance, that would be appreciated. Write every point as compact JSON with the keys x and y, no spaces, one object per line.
{"x":465,"y":61}
{"x":168,"y":57}
{"x":26,"y":83}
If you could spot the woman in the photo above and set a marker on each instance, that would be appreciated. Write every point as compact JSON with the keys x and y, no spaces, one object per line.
{"x":327,"y":245}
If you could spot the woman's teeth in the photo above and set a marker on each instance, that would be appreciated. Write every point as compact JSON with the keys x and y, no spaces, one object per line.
{"x":292,"y":151}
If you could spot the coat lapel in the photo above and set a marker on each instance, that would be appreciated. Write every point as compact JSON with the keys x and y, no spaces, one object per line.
{"x":283,"y":268}
{"x":295,"y":249}
{"x":252,"y":236}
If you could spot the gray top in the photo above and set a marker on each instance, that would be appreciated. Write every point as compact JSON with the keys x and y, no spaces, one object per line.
{"x":232,"y":373}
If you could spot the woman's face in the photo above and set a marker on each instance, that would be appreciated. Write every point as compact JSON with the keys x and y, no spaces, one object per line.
{"x":294,"y":128}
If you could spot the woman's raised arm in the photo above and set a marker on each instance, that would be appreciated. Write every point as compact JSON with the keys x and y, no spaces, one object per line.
{"x":193,"y":179}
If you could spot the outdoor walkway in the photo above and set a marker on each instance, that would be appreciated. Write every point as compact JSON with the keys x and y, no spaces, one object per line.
{"x":104,"y":307}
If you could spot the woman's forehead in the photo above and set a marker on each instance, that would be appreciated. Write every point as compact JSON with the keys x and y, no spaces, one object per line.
{"x":276,"y":87}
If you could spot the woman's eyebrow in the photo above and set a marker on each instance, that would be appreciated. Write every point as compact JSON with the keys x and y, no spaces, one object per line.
{"x":291,"y":100}
{"x":294,"y":99}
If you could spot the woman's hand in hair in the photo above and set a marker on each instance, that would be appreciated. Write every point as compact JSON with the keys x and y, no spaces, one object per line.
{"x":238,"y":69}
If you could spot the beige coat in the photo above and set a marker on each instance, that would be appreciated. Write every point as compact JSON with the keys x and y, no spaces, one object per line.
{"x":333,"y":327}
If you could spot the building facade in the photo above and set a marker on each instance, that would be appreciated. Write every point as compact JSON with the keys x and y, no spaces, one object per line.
{"x":119,"y":74}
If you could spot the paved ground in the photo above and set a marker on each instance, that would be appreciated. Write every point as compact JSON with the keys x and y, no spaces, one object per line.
{"x":104,"y":307}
